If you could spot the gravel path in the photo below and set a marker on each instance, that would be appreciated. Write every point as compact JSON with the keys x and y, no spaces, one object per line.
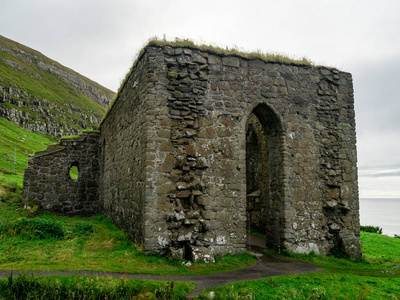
{"x":266,"y":266}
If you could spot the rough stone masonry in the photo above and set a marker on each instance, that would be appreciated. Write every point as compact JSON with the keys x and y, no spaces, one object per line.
{"x":199,"y":146}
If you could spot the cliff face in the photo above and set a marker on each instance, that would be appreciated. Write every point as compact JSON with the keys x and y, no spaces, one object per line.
{"x":40,"y":94}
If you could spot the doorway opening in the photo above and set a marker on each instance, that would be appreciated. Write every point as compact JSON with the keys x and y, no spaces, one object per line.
{"x":264,"y":174}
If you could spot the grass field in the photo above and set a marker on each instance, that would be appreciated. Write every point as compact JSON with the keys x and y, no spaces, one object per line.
{"x":51,"y":242}
{"x":96,"y":244}
{"x":311,"y":286}
{"x":375,"y":276}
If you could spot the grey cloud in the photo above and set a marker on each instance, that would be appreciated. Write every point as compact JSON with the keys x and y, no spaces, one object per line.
{"x":378,"y":168}
{"x":377,"y":97}
{"x":100,"y":39}
{"x":383,"y":174}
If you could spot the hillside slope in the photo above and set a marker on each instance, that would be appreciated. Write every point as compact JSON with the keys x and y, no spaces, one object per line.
{"x":40,"y":94}
{"x":19,"y":143}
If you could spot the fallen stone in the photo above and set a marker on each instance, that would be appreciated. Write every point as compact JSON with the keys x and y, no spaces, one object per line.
{"x":200,"y":253}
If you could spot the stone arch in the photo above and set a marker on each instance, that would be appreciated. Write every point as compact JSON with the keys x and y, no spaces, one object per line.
{"x":264,"y":173}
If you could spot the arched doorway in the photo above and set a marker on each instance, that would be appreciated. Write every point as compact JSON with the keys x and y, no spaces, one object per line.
{"x":264,"y":174}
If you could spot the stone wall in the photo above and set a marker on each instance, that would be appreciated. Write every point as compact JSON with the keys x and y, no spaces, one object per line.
{"x":20,"y":107}
{"x":196,"y":181}
{"x":126,"y":153}
{"x":47,"y":179}
{"x":178,"y":172}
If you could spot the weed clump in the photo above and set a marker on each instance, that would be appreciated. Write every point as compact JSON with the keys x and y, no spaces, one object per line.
{"x":39,"y":228}
{"x":32,"y":229}
{"x":372,"y":229}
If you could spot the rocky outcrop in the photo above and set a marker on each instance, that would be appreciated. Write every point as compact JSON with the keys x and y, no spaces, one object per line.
{"x":43,"y":116}
{"x":90,"y":90}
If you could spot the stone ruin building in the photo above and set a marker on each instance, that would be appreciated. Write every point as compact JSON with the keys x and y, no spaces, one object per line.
{"x":198,"y":144}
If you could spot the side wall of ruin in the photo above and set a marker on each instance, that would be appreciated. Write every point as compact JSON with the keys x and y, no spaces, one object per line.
{"x":47,"y":179}
{"x":124,"y":153}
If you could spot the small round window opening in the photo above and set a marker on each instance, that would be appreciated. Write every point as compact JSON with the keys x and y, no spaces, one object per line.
{"x":74,"y":173}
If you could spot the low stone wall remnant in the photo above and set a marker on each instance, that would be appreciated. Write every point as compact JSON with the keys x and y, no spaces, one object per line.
{"x":47,"y":179}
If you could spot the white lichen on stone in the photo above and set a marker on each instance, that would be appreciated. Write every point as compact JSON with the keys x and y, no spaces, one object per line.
{"x":306,"y":248}
{"x":162,"y":241}
{"x":221,"y":240}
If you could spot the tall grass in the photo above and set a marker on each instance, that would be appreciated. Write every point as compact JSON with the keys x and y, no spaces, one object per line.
{"x":78,"y":287}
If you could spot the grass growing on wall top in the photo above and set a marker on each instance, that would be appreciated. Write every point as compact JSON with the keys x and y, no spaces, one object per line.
{"x":267,"y":57}
{"x":90,"y":131}
{"x":70,"y":137}
{"x":79,"y":136}
{"x":264,"y":56}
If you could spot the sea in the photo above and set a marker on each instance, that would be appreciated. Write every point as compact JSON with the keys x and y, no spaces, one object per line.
{"x":382,"y":212}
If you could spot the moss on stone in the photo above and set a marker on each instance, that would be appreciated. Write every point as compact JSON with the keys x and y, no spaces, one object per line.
{"x":33,"y":208}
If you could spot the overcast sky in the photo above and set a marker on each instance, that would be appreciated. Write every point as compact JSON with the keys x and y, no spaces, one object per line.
{"x":101,"y":38}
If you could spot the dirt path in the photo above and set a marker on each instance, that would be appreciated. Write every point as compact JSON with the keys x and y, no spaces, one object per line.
{"x":266,"y":266}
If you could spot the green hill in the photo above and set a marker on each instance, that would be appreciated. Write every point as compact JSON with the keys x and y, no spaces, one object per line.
{"x":19,"y":143}
{"x":40,"y":94}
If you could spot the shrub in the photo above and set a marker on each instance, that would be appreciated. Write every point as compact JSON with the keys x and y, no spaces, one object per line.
{"x":373,"y":229}
{"x":33,"y":228}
